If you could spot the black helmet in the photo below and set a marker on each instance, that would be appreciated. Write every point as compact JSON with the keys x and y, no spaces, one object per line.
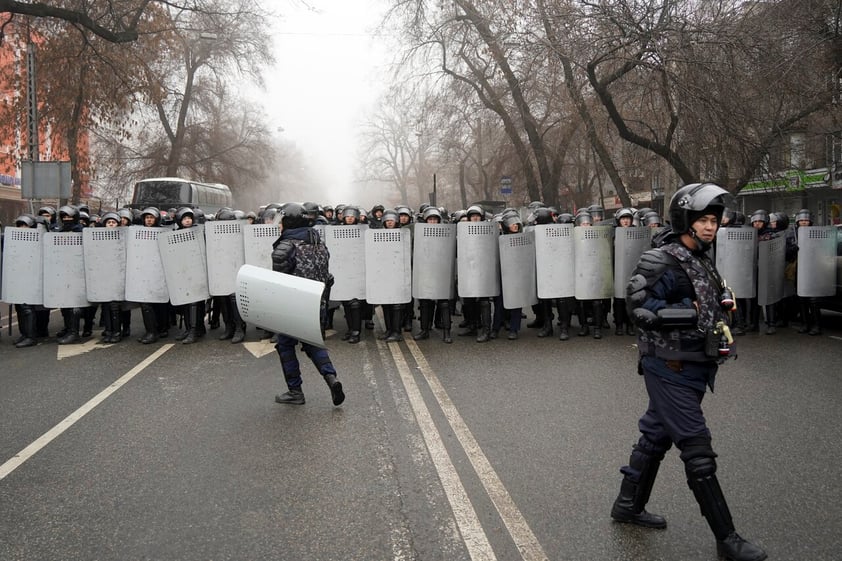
{"x":69,"y":212}
{"x":239,"y":214}
{"x":125,"y":213}
{"x":152,"y":211}
{"x":544,"y":215}
{"x":564,"y":218}
{"x":199,"y":216}
{"x":583,"y":218}
{"x":780,"y":219}
{"x":695,"y":200}
{"x":431,"y":211}
{"x":804,"y":214}
{"x":110,"y":216}
{"x":313,"y":210}
{"x":294,"y":216}
{"x":739,"y":219}
{"x":25,"y":221}
{"x":651,"y":218}
{"x":458,"y":215}
{"x":84,"y":218}
{"x":85,"y":208}
{"x":182,"y":212}
{"x":760,"y":215}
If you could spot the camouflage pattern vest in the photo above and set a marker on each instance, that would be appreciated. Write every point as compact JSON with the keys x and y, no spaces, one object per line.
{"x":688,"y":344}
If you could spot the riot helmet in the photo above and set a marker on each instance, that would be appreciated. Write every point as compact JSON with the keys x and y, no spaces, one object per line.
{"x":154,"y":213}
{"x":583,"y":218}
{"x":390,"y":215}
{"x":475,"y":210}
{"x":225,"y":214}
{"x":251,"y":216}
{"x":294,"y":216}
{"x":404,"y":214}
{"x":199,"y":216}
{"x":108,"y":217}
{"x":652,"y":220}
{"x":458,"y":215}
{"x":564,"y":218}
{"x":689,"y":202}
{"x":543,"y":215}
{"x":183,"y":213}
{"x":25,"y":221}
{"x":352,"y":213}
{"x":49,"y":211}
{"x":760,"y":215}
{"x":804,"y":214}
{"x":739,"y":219}
{"x":624,"y":212}
{"x":509,"y":221}
{"x":780,"y":219}
{"x":597,"y":213}
{"x":432,"y":212}
{"x":68,"y":213}
{"x":126,"y":216}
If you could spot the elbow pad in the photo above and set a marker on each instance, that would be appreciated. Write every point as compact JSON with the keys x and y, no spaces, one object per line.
{"x":635,"y":291}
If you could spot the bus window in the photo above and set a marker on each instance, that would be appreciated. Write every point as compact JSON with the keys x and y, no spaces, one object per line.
{"x":161,"y":194}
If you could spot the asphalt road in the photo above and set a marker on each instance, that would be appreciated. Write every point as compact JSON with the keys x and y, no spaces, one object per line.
{"x":505,"y":451}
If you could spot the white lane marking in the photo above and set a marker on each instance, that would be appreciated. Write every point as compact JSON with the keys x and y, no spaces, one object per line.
{"x":525,"y":540}
{"x":19,"y":458}
{"x":76,"y":349}
{"x":466,"y":517}
{"x":835,"y":337}
{"x":260,"y":348}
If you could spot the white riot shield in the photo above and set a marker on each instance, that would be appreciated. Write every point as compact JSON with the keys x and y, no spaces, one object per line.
{"x":281,"y":303}
{"x":517,"y":270}
{"x":554,"y":271}
{"x":184,"y":266}
{"x":736,"y":258}
{"x":433,"y":260}
{"x":594,"y":269}
{"x":225,"y":255}
{"x":629,"y":245}
{"x":388,"y":266}
{"x":145,"y":279}
{"x":477,"y":259}
{"x":105,"y":263}
{"x":64,"y":271}
{"x":257,"y":242}
{"x":346,"y":245}
{"x":770,"y":270}
{"x":816,"y":261}
{"x":23,"y":255}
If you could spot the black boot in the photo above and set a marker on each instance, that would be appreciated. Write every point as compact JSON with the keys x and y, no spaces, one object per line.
{"x":336,"y":393}
{"x":115,"y":313}
{"x":72,"y":335}
{"x":355,"y":322}
{"x":26,"y":325}
{"x":150,"y":323}
{"x":224,"y":305}
{"x":816,"y":319}
{"x":565,"y":312}
{"x":426,"y":320}
{"x":293,"y":397}
{"x":109,"y":324}
{"x":729,"y":544}
{"x":597,"y":319}
{"x":484,"y":330}
{"x":239,"y":325}
{"x":547,"y":328}
{"x":629,"y":507}
{"x":446,"y":322}
{"x":191,"y":321}
{"x":769,"y":312}
{"x":125,"y":323}
{"x":397,"y":312}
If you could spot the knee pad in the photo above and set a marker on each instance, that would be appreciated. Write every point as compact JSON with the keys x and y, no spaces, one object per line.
{"x":698,"y":457}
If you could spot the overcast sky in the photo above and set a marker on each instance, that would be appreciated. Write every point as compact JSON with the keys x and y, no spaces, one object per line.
{"x":325,"y":81}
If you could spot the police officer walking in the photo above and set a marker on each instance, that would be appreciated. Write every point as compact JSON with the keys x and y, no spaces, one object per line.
{"x":679,"y":303}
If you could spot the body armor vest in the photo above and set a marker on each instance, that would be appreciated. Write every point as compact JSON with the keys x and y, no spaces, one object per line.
{"x":688,"y":344}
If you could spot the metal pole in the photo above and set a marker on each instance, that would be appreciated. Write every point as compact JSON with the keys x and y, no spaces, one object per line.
{"x":32,"y":102}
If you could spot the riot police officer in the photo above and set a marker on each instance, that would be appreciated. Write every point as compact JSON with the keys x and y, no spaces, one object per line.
{"x":679,"y":304}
